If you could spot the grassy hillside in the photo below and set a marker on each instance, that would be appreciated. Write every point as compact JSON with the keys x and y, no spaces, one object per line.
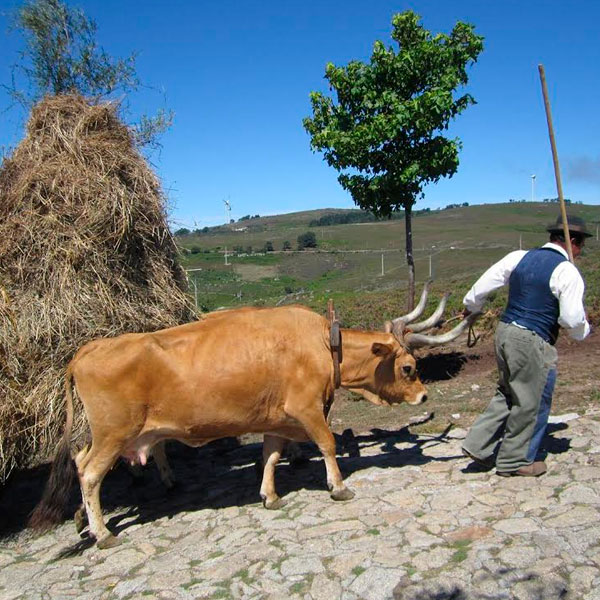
{"x":362,"y":266}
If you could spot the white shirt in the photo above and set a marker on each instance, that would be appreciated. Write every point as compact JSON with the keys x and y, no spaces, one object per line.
{"x":566,"y":284}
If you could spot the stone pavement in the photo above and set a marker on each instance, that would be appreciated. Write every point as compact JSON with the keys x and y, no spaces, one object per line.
{"x":424,"y":525}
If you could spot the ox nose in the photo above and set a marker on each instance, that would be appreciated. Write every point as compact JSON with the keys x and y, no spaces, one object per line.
{"x":423,"y":398}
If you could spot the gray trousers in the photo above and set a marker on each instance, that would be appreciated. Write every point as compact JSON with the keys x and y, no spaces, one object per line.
{"x":515,"y":420}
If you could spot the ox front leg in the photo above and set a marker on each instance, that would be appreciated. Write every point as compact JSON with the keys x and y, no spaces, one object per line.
{"x":313,"y":421}
{"x":272,"y":449}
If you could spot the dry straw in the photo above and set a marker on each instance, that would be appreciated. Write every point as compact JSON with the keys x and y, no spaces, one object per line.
{"x":85,"y":251}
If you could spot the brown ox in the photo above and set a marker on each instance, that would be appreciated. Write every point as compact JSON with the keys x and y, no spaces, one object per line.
{"x":233,"y":372}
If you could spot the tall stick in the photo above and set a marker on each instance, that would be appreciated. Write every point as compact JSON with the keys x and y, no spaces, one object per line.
{"x":563,"y":211}
{"x":410,"y":261}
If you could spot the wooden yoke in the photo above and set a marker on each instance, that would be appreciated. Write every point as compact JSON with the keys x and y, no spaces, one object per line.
{"x":335,"y":342}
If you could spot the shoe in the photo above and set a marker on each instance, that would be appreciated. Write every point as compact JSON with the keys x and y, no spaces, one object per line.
{"x":535,"y":469}
{"x":488,"y":463}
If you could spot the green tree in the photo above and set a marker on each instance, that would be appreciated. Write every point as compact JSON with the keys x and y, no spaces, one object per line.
{"x":61,"y":56}
{"x":287,"y":245}
{"x":383,"y":130}
{"x":268,"y":247}
{"x":307,"y":240}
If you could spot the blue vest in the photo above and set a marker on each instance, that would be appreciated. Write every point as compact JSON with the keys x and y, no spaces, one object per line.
{"x":531,"y":303}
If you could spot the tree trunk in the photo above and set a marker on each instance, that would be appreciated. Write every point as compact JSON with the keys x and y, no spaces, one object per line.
{"x":410,"y":300}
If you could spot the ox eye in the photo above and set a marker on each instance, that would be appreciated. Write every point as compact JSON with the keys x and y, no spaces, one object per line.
{"x":407,"y":369}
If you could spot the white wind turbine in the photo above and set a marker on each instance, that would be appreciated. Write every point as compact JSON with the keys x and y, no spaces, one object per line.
{"x":228,"y":209}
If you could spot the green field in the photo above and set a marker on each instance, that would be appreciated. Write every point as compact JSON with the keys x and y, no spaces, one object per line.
{"x":456,"y":244}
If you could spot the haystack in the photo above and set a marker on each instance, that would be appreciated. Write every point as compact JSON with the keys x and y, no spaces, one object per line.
{"x":85,"y":251}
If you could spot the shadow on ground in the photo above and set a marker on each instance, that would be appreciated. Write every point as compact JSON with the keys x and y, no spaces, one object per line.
{"x":441,"y":367}
{"x":499,"y":585}
{"x":224,"y":474}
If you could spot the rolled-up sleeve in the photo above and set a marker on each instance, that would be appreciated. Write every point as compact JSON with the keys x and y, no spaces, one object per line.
{"x":494,"y":278}
{"x":568,"y":287}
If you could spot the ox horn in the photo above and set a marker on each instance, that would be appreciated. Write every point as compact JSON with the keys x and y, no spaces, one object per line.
{"x":418,"y":340}
{"x":435,"y":319}
{"x":418,"y":310}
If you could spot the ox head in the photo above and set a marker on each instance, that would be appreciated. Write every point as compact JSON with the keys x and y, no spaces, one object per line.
{"x":396,"y":378}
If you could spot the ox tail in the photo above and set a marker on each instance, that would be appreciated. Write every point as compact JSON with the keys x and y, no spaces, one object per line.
{"x":50,"y":510}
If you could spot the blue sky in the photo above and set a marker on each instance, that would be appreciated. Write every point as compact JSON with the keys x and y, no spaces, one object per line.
{"x":238,"y":75}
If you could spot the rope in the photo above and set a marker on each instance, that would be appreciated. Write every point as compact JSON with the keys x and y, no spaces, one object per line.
{"x":472,"y":337}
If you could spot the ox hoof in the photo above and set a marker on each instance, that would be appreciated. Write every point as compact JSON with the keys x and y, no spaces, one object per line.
{"x":108,"y":541}
{"x":274,"y":504}
{"x":81,"y":520}
{"x":343,"y":494}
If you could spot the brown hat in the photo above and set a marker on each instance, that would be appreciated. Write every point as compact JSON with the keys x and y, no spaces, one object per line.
{"x":576,"y":225}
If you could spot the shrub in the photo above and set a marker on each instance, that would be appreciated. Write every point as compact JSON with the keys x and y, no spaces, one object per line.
{"x":307,"y":240}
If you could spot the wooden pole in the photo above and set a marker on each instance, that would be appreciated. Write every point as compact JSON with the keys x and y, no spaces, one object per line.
{"x":195,"y":290}
{"x":563,"y":210}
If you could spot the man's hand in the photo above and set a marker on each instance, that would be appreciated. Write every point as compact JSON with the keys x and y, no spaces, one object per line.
{"x":465,"y":313}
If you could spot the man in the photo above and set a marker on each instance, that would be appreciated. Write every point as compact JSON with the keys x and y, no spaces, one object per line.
{"x":545,"y":292}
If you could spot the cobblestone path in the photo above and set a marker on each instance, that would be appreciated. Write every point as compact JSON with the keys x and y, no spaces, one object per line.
{"x":424,"y":525}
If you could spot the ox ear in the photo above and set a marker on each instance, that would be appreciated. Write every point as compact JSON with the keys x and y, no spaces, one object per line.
{"x":381,"y":349}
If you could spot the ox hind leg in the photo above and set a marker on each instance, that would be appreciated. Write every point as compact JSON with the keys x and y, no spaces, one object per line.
{"x":162,"y":464}
{"x":311,"y":416}
{"x":80,"y":517}
{"x":92,"y":468}
{"x":272,"y":449}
